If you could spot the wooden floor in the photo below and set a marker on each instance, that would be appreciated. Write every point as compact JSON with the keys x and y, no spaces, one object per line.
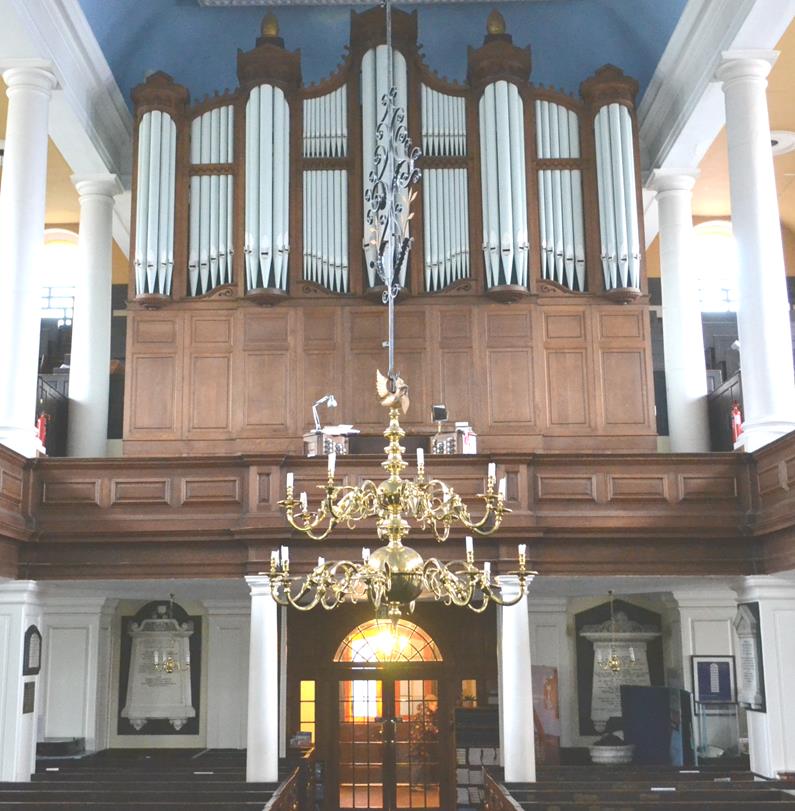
{"x":122,"y":780}
{"x":635,"y":788}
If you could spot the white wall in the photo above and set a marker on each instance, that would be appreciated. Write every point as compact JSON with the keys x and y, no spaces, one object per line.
{"x":228,"y":624}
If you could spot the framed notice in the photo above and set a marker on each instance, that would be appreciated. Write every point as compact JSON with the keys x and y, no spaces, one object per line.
{"x":713,"y":680}
{"x":31,"y":652}
{"x":751,"y":675}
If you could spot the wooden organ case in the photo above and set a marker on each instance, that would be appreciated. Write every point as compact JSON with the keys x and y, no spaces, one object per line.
{"x":525,"y":306}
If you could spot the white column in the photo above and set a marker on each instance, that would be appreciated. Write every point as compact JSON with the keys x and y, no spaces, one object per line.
{"x":705,"y":628}
{"x":685,"y":367}
{"x":763,"y":314}
{"x":517,"y":730}
{"x":21,"y":239}
{"x":89,"y":380}
{"x":771,"y":734}
{"x":262,"y":755}
{"x":19,"y":608}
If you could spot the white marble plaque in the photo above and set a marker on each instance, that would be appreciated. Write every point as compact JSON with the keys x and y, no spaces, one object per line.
{"x":158,"y":685}
{"x":749,"y":690}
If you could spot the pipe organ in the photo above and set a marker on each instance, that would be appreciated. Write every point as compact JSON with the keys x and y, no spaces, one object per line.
{"x":259,"y":196}
{"x":545,"y":185}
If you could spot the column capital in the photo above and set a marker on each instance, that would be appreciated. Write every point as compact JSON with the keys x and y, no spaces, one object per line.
{"x":98,"y":185}
{"x":739,"y":65}
{"x":16,"y":592}
{"x":722,"y":596}
{"x":672,"y":180}
{"x":259,"y":584}
{"x":765,"y":587}
{"x":29,"y":74}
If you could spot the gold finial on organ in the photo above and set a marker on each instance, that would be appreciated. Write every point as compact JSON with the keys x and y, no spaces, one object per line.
{"x":270,"y":26}
{"x":495,"y":24}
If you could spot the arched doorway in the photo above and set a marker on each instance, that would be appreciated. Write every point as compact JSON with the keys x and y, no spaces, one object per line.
{"x":391,"y":750}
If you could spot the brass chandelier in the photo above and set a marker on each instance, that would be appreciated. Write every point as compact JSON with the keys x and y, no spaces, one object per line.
{"x":393,"y":576}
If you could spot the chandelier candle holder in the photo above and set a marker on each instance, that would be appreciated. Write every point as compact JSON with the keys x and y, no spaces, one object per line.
{"x":394,"y":576}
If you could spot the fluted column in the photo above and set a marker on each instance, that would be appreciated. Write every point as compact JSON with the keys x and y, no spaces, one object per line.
{"x":262,"y":752}
{"x":21,"y":238}
{"x":763,"y":313}
{"x":517,"y":729}
{"x":685,"y":367}
{"x":89,"y":380}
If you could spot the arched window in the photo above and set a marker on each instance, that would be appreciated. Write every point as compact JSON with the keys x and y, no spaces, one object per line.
{"x":717,"y":266}
{"x":377,"y":641}
{"x":58,"y":274}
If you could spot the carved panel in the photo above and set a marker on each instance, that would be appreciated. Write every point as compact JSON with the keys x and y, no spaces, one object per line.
{"x":367,"y":328}
{"x":637,"y":488}
{"x":266,"y":391}
{"x":212,"y":330}
{"x":361,"y":401}
{"x":624,"y":388}
{"x":211,"y":490}
{"x":140,"y":491}
{"x":155,"y":331}
{"x":455,"y":328}
{"x":707,"y":488}
{"x":622,"y":324}
{"x":769,"y":479}
{"x":11,"y":486}
{"x":266,"y":329}
{"x":560,"y":487}
{"x":567,"y":388}
{"x":263,"y":488}
{"x":508,"y":329}
{"x":568,"y":326}
{"x":457,"y":391}
{"x":321,"y":377}
{"x":71,"y":491}
{"x":154,"y":393}
{"x":210,"y":404}
{"x":320,"y":327}
{"x":510,"y":387}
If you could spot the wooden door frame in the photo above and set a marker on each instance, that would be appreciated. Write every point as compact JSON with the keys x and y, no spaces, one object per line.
{"x":441,"y":672}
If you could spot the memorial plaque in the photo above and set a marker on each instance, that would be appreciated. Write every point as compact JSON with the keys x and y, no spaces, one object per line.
{"x":28,"y":697}
{"x":751,"y":687}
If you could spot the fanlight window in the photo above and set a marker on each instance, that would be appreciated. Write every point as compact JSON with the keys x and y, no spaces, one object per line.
{"x":717,"y":266}
{"x":377,"y":641}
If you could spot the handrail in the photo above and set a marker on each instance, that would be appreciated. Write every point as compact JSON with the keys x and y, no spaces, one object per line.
{"x":496,"y":796}
{"x":286,"y":796}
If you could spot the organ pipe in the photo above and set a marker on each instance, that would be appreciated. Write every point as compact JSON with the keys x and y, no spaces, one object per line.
{"x":325,"y":260}
{"x":618,"y":214}
{"x":505,"y":235}
{"x":210,"y":245}
{"x":560,"y":208}
{"x":267,"y":188}
{"x":325,"y":132}
{"x":156,"y":178}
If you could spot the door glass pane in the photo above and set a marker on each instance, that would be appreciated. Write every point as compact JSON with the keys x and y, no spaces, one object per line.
{"x":361,"y":744}
{"x":417,"y":748}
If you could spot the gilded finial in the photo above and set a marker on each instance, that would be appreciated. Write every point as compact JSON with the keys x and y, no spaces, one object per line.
{"x":495,"y":24}
{"x":270,"y":26}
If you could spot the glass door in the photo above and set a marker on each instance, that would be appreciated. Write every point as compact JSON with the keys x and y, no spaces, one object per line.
{"x":388,"y":747}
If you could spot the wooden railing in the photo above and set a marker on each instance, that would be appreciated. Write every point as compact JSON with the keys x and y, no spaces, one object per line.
{"x":496,"y":796}
{"x":288,"y":796}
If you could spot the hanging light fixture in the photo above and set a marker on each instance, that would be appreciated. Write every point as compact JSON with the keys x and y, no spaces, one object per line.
{"x":393,"y":576}
{"x":614,"y":663}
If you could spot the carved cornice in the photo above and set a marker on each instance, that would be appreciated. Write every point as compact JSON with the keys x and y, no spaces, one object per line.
{"x":608,"y":85}
{"x":498,"y":58}
{"x":368,"y":29}
{"x":160,"y":92}
{"x":269,"y":62}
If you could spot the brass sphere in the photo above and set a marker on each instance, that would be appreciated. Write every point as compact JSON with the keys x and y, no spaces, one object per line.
{"x":495,"y":24}
{"x":270,"y":25}
{"x":405,"y":567}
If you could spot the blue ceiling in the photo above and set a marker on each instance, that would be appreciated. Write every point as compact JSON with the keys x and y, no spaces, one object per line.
{"x":570,"y":39}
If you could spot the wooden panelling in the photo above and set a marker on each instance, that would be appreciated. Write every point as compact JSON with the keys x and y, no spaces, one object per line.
{"x":211,"y":393}
{"x":559,"y":326}
{"x":550,"y":487}
{"x":266,"y":393}
{"x":614,"y":325}
{"x":83,"y":492}
{"x":567,"y":388}
{"x":510,"y":387}
{"x":455,"y":327}
{"x":457,"y":390}
{"x":211,"y":330}
{"x":11,"y":486}
{"x":320,"y":327}
{"x":154,"y":393}
{"x":360,"y":397}
{"x":511,"y":328}
{"x":367,"y":328}
{"x":154,"y":330}
{"x":140,"y":491}
{"x":637,"y":487}
{"x":211,"y":490}
{"x":707,"y":488}
{"x":266,"y":329}
{"x":624,"y":388}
